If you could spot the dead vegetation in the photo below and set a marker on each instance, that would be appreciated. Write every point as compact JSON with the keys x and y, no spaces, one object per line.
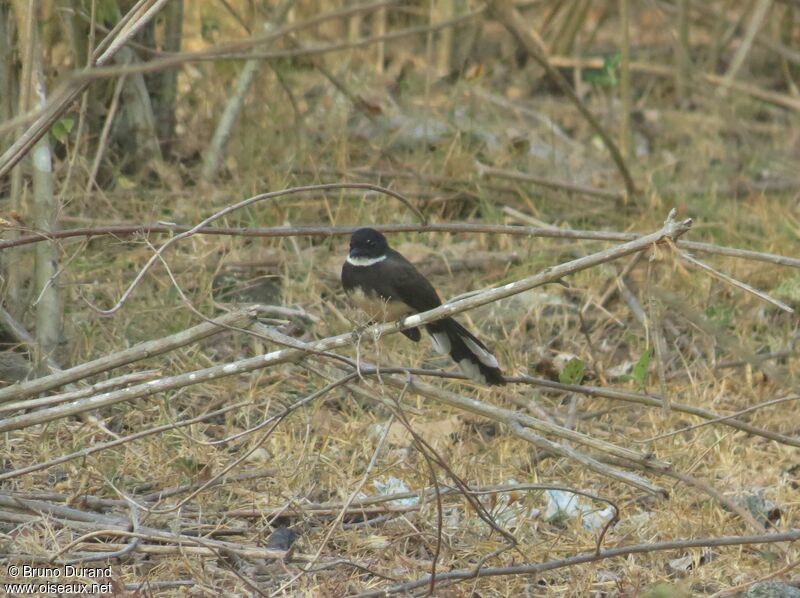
{"x":228,"y":423}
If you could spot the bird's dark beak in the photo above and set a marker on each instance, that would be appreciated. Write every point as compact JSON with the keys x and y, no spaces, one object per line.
{"x":356,"y":252}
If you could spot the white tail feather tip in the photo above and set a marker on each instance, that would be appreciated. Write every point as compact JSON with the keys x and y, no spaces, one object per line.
{"x":441,"y":343}
{"x":482,"y":354}
{"x":472,"y":370}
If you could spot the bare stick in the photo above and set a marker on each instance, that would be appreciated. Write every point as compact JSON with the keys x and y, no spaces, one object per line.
{"x":625,"y":95}
{"x":521,"y":425}
{"x":736,"y":590}
{"x":62,"y":99}
{"x":243,"y":204}
{"x":505,"y":12}
{"x":720,"y":419}
{"x":96,"y":448}
{"x":353,"y":495}
{"x":233,"y":107}
{"x":15,"y":328}
{"x":45,"y":214}
{"x":377,"y":504}
{"x":550,"y":183}
{"x":120,"y":35}
{"x":737,"y":283}
{"x":104,"y":133}
{"x":233,"y":51}
{"x":589,"y":557}
{"x":779,"y":99}
{"x":105,"y":525}
{"x":22,"y":390}
{"x":683,"y":59}
{"x":275,"y":420}
{"x":756,"y":19}
{"x":656,"y":326}
{"x":671,"y":230}
{"x":330,"y":231}
{"x":654,"y":401}
{"x":111,"y":384}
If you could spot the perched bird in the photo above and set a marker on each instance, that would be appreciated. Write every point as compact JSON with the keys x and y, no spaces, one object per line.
{"x":388,"y":287}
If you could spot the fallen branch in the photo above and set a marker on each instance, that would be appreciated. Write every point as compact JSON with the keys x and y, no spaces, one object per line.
{"x":521,"y":425}
{"x":550,"y":183}
{"x":655,"y":401}
{"x":671,"y":229}
{"x":733,"y":282}
{"x":241,"y":205}
{"x":659,"y":70}
{"x":232,"y":51}
{"x":504,"y":11}
{"x":96,"y":448}
{"x":551,"y":232}
{"x":591,"y":557}
{"x":22,"y":390}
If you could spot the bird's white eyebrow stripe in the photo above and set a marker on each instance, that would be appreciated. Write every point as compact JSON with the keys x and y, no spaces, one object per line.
{"x":364,"y":261}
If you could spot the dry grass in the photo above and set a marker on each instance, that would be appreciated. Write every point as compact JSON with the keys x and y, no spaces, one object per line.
{"x":319,"y":454}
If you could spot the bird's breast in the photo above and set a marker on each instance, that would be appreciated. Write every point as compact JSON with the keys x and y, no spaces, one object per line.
{"x":378,"y":308}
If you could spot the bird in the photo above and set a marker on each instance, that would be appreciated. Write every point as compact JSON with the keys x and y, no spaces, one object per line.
{"x":387,"y":287}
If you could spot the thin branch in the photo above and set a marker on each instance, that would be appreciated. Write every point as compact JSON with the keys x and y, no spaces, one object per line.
{"x":737,"y":590}
{"x":505,"y":12}
{"x":590,"y":557}
{"x":342,"y":512}
{"x":655,"y":401}
{"x":96,"y":448}
{"x":213,"y":480}
{"x":63,"y":98}
{"x":118,"y":37}
{"x":756,"y":19}
{"x":548,"y":182}
{"x":80,"y":393}
{"x":521,"y":425}
{"x":671,"y":229}
{"x":736,"y":283}
{"x":658,"y":70}
{"x":720,"y":419}
{"x":227,"y":52}
{"x":143,"y":350}
{"x":241,"y":205}
{"x":332,"y":231}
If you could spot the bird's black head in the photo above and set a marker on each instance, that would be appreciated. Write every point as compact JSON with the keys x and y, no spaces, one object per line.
{"x":368,"y":243}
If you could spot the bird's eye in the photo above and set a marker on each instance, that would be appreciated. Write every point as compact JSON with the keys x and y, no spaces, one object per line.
{"x":370,"y":242}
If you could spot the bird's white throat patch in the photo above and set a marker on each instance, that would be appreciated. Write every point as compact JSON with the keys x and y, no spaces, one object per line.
{"x":364,"y":261}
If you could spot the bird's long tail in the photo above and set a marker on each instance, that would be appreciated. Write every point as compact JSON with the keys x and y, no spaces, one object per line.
{"x":471,"y":355}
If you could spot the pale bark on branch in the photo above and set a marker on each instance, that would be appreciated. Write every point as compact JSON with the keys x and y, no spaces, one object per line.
{"x":671,"y":229}
{"x":23,"y":390}
{"x":551,"y":232}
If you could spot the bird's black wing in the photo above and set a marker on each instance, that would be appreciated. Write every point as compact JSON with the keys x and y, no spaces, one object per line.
{"x":408,"y":284}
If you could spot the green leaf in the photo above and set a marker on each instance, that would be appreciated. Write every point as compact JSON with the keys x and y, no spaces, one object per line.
{"x":639,"y":372}
{"x":611,"y":63}
{"x":606,"y":76}
{"x":62,"y":128}
{"x":573,"y":372}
